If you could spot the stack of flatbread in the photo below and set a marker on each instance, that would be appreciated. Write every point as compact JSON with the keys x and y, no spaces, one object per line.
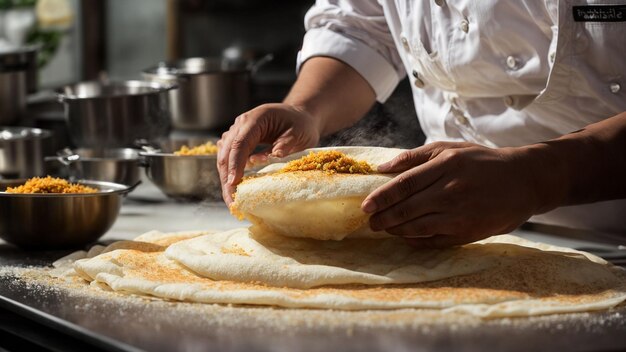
{"x":500,"y":276}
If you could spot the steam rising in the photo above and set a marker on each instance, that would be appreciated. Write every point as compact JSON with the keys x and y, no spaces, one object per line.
{"x":393,"y":124}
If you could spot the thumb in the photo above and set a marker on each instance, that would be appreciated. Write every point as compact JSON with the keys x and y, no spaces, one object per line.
{"x":285,"y":145}
{"x":260,"y":157}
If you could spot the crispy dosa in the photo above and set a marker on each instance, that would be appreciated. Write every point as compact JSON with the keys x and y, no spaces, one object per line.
{"x":313,"y":204}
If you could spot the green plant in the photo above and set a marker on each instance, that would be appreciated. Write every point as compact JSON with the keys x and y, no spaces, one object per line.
{"x":9,"y":4}
{"x":48,"y":42}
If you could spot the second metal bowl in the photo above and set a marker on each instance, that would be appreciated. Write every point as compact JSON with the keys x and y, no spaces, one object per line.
{"x":192,"y":177}
{"x":119,"y":165}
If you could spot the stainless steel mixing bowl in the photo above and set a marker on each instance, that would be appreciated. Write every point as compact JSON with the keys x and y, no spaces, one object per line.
{"x":22,"y":151}
{"x":193,"y":177}
{"x":59,"y":220}
{"x":116,"y":114}
{"x":119,"y":165}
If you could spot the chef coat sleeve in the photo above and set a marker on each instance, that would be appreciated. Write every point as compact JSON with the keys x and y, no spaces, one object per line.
{"x":355,"y":32}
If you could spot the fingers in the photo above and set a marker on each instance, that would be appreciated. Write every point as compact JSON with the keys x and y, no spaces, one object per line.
{"x":416,"y":206}
{"x":241,"y":146}
{"x":418,"y":156}
{"x":425,"y":226}
{"x":401,"y":187}
{"x":234,"y":149}
{"x":439,"y":241}
{"x":405,"y":160}
{"x":261,"y":156}
{"x":284,"y":146}
{"x":223,"y":152}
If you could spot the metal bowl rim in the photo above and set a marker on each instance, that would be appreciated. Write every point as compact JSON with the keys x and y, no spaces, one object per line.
{"x":172,"y":156}
{"x":135,"y":157}
{"x":42,"y":133}
{"x":117,"y":189}
{"x":159,"y":88}
{"x":153,"y":71}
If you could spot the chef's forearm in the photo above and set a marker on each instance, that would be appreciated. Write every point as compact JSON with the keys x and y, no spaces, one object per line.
{"x":332,"y":92}
{"x":582,"y":167}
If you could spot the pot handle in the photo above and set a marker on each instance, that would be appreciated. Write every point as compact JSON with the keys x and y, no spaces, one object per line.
{"x":65,"y":156}
{"x":173,"y":85}
{"x":254,"y":66}
{"x":130,"y":189}
{"x":146,"y":146}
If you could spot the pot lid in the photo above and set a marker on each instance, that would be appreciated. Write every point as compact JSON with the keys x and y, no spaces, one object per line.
{"x":13,"y":133}
{"x":199,"y":65}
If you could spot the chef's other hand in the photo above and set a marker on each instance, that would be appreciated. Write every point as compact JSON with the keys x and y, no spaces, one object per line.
{"x":454,"y":193}
{"x":287,"y":128}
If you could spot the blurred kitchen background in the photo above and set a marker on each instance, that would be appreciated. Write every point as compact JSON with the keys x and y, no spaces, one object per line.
{"x":116,"y":40}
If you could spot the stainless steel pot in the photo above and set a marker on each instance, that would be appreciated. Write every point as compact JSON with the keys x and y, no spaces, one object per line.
{"x":191,"y":177}
{"x":14,"y":68}
{"x":22,"y":151}
{"x":120,"y":165}
{"x":212,"y":91}
{"x":116,"y":114}
{"x":59,"y":220}
{"x":32,"y":69}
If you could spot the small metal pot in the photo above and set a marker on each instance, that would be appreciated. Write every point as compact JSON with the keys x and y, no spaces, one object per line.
{"x":59,"y":220}
{"x":32,"y":69}
{"x":15,"y":66}
{"x":22,"y":151}
{"x":212,"y":91}
{"x":120,"y":165}
{"x":190,"y":177}
{"x":116,"y":114}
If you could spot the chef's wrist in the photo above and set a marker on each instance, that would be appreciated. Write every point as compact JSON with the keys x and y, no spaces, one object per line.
{"x":547,"y":175}
{"x":307,"y":111}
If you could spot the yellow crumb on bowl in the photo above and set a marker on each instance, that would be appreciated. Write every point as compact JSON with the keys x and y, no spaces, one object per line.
{"x":207,"y":148}
{"x":330,"y":161}
{"x":50,"y":185}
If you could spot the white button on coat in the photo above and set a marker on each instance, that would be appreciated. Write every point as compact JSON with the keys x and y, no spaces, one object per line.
{"x":511,"y":62}
{"x":615,"y":87}
{"x":464,"y":25}
{"x":417,"y":80}
{"x":405,"y":44}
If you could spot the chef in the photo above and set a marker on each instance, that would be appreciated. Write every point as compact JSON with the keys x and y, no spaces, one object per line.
{"x":523,"y":104}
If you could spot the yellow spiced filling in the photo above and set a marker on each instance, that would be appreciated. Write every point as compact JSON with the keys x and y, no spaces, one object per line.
{"x":330,"y":161}
{"x":50,"y":185}
{"x":207,"y":148}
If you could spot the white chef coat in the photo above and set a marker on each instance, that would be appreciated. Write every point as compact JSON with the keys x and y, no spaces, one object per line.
{"x":494,"y":72}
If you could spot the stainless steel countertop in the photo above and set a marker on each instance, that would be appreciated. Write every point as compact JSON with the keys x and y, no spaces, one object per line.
{"x":157,"y":325}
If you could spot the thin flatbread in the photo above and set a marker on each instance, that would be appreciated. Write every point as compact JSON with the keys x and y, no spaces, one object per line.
{"x":544,"y":280}
{"x":313,"y":204}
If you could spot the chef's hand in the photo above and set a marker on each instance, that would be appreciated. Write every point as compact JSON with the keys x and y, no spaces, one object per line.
{"x":454,"y":193}
{"x":287,"y":128}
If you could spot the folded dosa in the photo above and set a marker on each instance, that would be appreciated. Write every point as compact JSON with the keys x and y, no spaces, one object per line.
{"x":313,"y":204}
